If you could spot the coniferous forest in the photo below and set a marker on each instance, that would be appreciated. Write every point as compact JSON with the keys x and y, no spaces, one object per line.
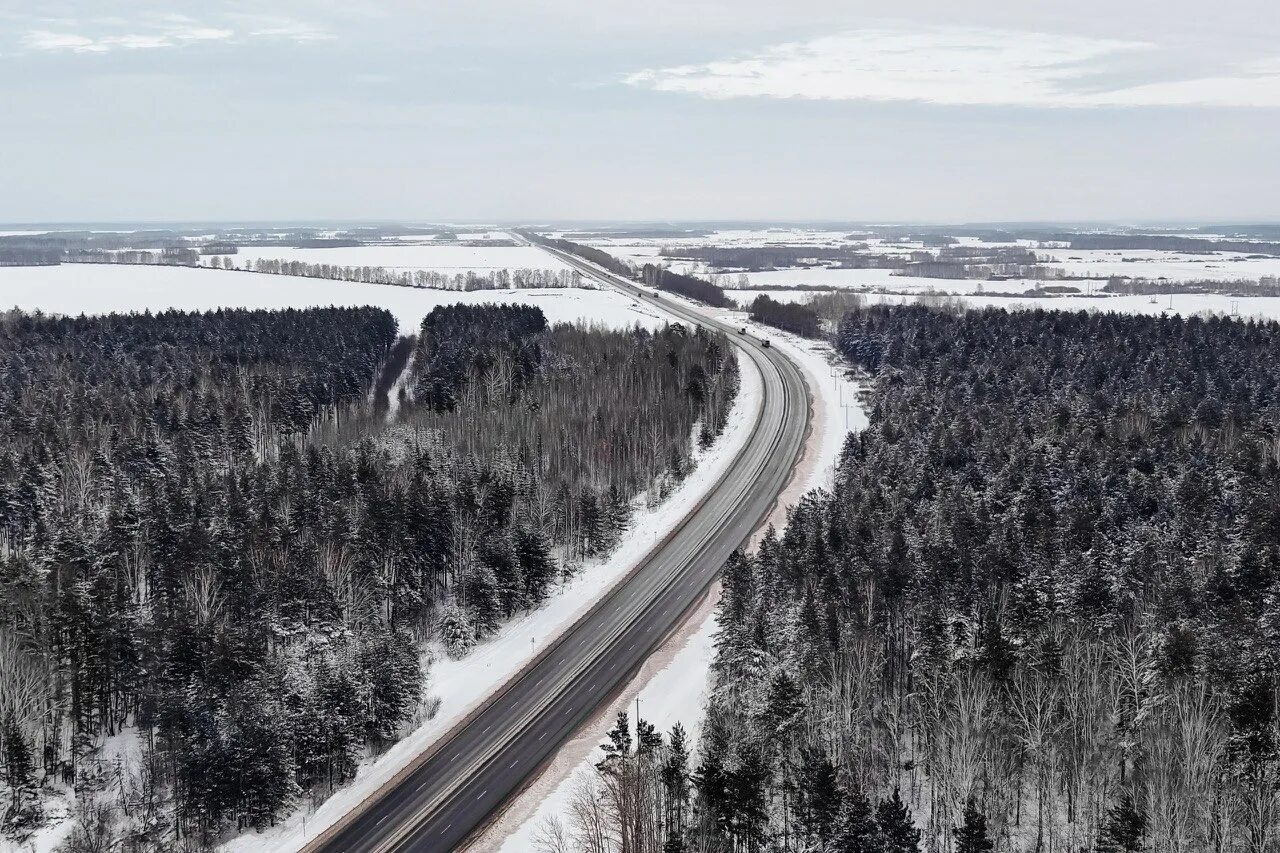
{"x":230,"y":536}
{"x":1036,"y":611}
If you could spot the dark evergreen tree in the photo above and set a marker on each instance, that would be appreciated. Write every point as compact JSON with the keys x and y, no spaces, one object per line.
{"x":855,"y":829}
{"x":971,"y":836}
{"x":896,"y":825}
{"x":1124,"y":828}
{"x":819,"y":796}
{"x":18,"y":763}
{"x":675,"y":792}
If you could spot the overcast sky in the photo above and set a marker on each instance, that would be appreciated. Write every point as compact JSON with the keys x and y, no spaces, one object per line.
{"x":639,"y":109}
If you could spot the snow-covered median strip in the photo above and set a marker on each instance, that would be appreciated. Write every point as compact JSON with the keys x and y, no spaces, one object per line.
{"x":462,"y":684}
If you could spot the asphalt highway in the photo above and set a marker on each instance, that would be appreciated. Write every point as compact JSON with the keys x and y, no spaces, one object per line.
{"x":455,"y":787}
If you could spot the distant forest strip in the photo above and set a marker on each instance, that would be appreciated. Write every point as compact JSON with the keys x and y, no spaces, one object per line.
{"x":693,"y":287}
{"x":500,"y":279}
{"x":1165,"y":243}
{"x":49,"y":257}
{"x":215,"y":546}
{"x":947,"y":262}
{"x":1259,"y":238}
{"x":1265,"y":286}
{"x":222,"y":258}
{"x":778,"y":257}
{"x":598,"y":257}
{"x":792,"y":317}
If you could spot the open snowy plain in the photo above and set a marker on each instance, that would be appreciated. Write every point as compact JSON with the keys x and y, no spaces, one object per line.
{"x":74,"y":289}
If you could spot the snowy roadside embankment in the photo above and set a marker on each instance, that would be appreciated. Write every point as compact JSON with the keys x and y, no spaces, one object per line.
{"x":462,"y":684}
{"x":673,"y":684}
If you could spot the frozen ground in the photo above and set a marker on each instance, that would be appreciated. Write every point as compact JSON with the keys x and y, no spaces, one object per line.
{"x":121,"y":750}
{"x":838,"y":279}
{"x":1186,"y":305}
{"x":461,"y":684}
{"x":1174,"y":266}
{"x":103,"y":288}
{"x":1259,"y":307}
{"x":446,"y":259}
{"x":1095,"y":264}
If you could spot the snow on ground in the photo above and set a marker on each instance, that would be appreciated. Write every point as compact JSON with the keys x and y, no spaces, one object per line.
{"x":447,"y":259}
{"x":1087,"y":263}
{"x":837,"y":279}
{"x":673,"y":684}
{"x":1187,"y":305}
{"x":1174,"y":266}
{"x":462,"y":684}
{"x":121,"y":750}
{"x":102,"y":288}
{"x":1245,"y":307}
{"x":665,"y":695}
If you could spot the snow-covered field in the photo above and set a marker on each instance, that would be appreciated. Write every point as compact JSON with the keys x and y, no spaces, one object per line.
{"x":1085,"y":263}
{"x":1259,"y":307}
{"x":838,"y":279}
{"x":1263,"y":307}
{"x":447,"y":259}
{"x":1174,"y":266}
{"x":103,"y":288}
{"x":1186,"y":305}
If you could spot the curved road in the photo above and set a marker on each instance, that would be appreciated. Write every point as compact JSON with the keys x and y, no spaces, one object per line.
{"x":470,"y":772}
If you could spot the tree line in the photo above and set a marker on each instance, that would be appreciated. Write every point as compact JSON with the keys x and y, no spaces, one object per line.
{"x":689,"y":286}
{"x":794,"y":317}
{"x":591,"y":253}
{"x":501,"y":279}
{"x":49,"y":256}
{"x":1267,"y":285}
{"x":214,"y":546}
